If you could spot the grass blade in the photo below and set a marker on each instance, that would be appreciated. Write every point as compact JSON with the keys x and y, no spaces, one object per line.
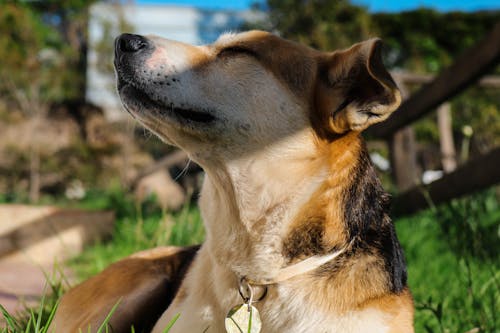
{"x":11,"y":322}
{"x":30,"y":321}
{"x":171,"y":323}
{"x":51,"y":317}
{"x":104,"y":324}
{"x":40,"y":313}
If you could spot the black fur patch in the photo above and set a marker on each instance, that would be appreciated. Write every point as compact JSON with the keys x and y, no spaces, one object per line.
{"x":366,"y":217}
{"x":305,"y":241}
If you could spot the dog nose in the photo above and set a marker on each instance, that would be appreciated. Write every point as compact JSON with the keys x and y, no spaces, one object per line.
{"x":129,"y":43}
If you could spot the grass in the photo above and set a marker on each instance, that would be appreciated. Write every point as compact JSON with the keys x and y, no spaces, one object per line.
{"x":137,"y":228}
{"x":37,"y":319}
{"x":452,"y":253}
{"x":453,"y":264}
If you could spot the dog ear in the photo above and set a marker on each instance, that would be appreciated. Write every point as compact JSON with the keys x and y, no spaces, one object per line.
{"x":354,"y":88}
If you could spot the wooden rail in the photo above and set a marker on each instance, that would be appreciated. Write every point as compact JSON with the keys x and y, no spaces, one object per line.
{"x":477,"y":174}
{"x":487,"y":81}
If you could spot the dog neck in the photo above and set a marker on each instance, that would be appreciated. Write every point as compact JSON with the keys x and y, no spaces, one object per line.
{"x":250,"y":205}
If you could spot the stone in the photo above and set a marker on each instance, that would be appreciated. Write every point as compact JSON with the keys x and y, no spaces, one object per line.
{"x":169,"y":194}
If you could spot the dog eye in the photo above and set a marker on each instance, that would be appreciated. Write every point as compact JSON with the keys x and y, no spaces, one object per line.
{"x":235,"y":50}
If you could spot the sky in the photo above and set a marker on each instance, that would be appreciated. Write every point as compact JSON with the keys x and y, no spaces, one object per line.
{"x":373,"y":5}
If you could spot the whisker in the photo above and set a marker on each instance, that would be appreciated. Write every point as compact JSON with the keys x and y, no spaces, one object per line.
{"x":184,"y":170}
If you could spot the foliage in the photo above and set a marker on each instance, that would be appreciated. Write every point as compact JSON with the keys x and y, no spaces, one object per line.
{"x":106,"y":155}
{"x":320,"y":24}
{"x":425,"y":40}
{"x":476,"y":107}
{"x":472,"y":225}
{"x":480,"y":109}
{"x":42,"y":86}
{"x":421,"y":40}
{"x":41,"y":46}
{"x":28,"y":61}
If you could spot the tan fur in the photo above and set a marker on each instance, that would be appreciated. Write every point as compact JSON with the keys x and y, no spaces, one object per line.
{"x":280,"y":153}
{"x":400,"y":308}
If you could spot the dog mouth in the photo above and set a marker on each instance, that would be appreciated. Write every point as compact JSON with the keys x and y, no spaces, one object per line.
{"x":137,"y":98}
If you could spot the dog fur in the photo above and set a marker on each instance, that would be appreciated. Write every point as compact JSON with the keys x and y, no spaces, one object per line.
{"x":141,"y":286}
{"x":276,"y":127}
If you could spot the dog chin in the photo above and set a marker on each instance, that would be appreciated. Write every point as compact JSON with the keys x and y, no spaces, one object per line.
{"x":140,"y":104}
{"x":134,"y":100}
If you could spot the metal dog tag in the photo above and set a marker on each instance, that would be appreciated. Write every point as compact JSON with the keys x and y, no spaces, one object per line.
{"x":243,"y":318}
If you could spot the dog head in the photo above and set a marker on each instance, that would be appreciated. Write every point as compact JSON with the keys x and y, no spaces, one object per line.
{"x":247,"y":91}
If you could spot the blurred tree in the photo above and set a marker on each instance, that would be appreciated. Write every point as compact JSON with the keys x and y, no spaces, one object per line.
{"x":425,"y":40}
{"x":52,"y":34}
{"x":42,"y":55}
{"x":29,"y":69}
{"x":43,"y":47}
{"x":322,"y":24}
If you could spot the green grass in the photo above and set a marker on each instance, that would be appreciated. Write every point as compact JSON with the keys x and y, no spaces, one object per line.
{"x":453,"y":264}
{"x":37,"y":319}
{"x":452,"y":254}
{"x":139,"y":228}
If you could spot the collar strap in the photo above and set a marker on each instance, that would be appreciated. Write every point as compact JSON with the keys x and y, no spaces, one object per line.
{"x":299,"y":268}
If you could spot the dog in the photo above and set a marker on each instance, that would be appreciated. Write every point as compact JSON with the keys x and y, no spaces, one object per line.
{"x":297,"y":225}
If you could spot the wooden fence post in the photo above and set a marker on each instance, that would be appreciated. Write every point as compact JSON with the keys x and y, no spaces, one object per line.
{"x":448,"y":154}
{"x":402,"y":150}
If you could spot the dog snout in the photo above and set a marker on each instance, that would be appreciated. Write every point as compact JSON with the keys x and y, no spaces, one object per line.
{"x":130,"y":48}
{"x":130,"y":43}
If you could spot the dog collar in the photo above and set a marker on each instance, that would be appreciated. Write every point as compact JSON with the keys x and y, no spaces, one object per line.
{"x":299,"y":268}
{"x":302,"y":267}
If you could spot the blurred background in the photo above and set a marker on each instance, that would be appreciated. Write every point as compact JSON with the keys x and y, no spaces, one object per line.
{"x":83,"y":183}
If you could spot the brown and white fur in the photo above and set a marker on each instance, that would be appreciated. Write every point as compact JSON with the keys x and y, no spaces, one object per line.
{"x":276,"y":127}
